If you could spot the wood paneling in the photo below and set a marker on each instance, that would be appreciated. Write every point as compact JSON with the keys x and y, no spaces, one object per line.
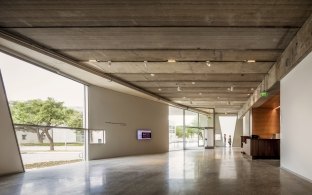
{"x":265,"y":122}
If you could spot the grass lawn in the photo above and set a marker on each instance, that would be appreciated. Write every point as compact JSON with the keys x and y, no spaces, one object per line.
{"x":49,"y":164}
{"x":55,"y":144}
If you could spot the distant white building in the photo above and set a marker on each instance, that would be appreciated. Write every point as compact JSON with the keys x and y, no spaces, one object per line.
{"x":59,"y":136}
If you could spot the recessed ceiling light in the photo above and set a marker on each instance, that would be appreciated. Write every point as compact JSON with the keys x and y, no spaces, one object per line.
{"x":248,"y":94}
{"x":208,"y":63}
{"x":93,"y":60}
{"x":152,"y":74}
{"x":159,"y":89}
{"x":193,"y":83}
{"x":171,"y":60}
{"x":251,"y":61}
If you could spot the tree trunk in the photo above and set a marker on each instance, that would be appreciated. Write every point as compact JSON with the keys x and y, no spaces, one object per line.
{"x":39,"y":136}
{"x":46,"y":130}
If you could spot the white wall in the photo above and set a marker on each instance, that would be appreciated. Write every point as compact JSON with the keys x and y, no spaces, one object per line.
{"x":238,"y":132}
{"x":296,"y":119}
{"x":246,"y":124}
{"x":10,"y":160}
{"x":137,"y":113}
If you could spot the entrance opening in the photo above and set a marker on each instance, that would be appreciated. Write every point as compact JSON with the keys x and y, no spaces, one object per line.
{"x":228,"y":124}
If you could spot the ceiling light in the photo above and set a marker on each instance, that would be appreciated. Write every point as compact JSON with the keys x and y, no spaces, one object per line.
{"x":218,"y":97}
{"x":228,"y":89}
{"x":251,"y":61}
{"x":184,"y":97}
{"x":208,"y":63}
{"x":232,"y":88}
{"x":200,"y":94}
{"x":152,"y":74}
{"x":193,"y":83}
{"x":145,"y":64}
{"x":171,"y":60}
{"x":179,"y":88}
{"x":252,"y":89}
{"x":109,"y":63}
{"x":93,"y":60}
{"x":248,"y":94}
{"x":159,"y":89}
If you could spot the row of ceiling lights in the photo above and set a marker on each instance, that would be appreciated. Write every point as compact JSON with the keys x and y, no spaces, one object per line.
{"x":208,"y":63}
{"x":229,"y":89}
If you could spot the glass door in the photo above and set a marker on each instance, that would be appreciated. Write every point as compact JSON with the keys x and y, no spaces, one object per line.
{"x":201,"y":137}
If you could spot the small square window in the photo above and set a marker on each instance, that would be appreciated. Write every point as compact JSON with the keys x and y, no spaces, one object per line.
{"x":97,"y":136}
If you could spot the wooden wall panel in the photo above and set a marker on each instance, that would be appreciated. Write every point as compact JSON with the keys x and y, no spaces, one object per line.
{"x":265,"y":122}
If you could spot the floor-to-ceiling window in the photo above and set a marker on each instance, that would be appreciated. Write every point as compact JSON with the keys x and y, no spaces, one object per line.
{"x":175,"y":128}
{"x":190,"y":130}
{"x":47,"y":111}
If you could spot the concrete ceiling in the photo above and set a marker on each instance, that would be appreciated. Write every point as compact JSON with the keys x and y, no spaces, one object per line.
{"x":127,"y":33}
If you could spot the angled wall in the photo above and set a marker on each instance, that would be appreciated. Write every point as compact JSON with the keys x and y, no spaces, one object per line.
{"x":10,"y":159}
{"x":120,"y":115}
{"x":296,"y":119}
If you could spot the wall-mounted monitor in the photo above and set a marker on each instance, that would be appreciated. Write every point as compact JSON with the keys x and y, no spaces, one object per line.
{"x":144,"y":134}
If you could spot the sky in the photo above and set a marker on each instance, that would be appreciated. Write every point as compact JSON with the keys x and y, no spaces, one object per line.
{"x":24,"y":81}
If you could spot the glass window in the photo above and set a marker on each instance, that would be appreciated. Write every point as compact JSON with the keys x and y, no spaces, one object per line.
{"x":191,"y":119}
{"x":175,"y":128}
{"x":97,"y":137}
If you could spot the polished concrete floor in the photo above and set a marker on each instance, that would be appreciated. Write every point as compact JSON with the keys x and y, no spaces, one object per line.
{"x":219,"y":171}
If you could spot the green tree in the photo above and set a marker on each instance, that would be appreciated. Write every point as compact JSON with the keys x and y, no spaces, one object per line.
{"x":46,"y":113}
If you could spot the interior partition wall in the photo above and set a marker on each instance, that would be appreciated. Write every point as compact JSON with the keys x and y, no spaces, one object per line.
{"x":190,"y":130}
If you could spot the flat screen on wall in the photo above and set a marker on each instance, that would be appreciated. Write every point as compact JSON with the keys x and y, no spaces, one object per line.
{"x":143,"y":134}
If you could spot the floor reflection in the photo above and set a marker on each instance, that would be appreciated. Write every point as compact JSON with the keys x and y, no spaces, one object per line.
{"x":217,"y":171}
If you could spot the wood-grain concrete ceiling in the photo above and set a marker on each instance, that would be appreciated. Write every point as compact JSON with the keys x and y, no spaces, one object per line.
{"x":117,"y":36}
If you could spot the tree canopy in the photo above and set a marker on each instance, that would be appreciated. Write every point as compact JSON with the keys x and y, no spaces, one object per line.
{"x":46,"y":113}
